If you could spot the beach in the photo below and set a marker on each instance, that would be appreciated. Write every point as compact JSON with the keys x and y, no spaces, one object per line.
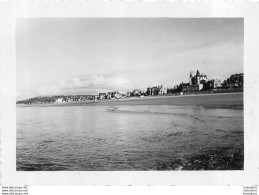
{"x":223,"y":100}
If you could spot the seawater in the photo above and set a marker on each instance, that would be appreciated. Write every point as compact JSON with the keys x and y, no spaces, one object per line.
{"x":126,"y":137}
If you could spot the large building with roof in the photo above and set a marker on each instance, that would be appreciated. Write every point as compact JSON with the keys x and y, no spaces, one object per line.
{"x":236,"y":80}
{"x":196,"y":82}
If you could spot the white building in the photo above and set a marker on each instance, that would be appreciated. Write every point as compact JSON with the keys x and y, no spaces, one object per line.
{"x":59,"y":100}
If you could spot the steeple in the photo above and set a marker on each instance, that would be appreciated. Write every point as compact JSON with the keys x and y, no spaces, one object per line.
{"x":198,"y":73}
{"x":190,"y":79}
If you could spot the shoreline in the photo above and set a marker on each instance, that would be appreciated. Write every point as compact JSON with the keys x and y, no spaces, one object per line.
{"x":206,"y":100}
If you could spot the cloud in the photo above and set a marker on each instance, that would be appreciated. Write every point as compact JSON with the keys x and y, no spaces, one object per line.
{"x":92,"y":84}
{"x":47,"y":90}
{"x":96,"y":82}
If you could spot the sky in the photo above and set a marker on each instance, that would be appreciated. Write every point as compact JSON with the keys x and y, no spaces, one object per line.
{"x":63,"y":56}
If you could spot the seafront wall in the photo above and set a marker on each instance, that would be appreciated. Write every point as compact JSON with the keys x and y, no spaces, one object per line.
{"x":234,"y":90}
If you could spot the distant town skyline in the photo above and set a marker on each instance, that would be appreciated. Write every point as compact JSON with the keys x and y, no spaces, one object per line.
{"x":57,"y":56}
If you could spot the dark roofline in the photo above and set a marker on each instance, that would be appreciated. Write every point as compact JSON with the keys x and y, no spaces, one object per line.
{"x":239,"y":74}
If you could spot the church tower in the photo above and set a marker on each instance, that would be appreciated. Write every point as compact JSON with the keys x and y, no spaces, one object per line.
{"x":190,"y":79}
{"x":198,"y":77}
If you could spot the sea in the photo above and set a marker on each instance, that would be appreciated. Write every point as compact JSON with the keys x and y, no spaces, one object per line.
{"x":137,"y":137}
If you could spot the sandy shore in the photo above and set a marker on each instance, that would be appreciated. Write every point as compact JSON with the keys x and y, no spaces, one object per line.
{"x":223,"y":100}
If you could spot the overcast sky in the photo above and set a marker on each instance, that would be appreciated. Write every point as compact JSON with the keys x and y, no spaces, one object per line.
{"x":88,"y":56}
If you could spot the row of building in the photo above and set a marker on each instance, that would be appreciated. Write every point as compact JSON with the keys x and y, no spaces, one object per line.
{"x":157,"y":90}
{"x":197,"y":83}
{"x":200,"y":82}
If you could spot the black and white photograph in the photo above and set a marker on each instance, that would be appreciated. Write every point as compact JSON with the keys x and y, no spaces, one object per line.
{"x":129,"y":94}
{"x":153,"y":97}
